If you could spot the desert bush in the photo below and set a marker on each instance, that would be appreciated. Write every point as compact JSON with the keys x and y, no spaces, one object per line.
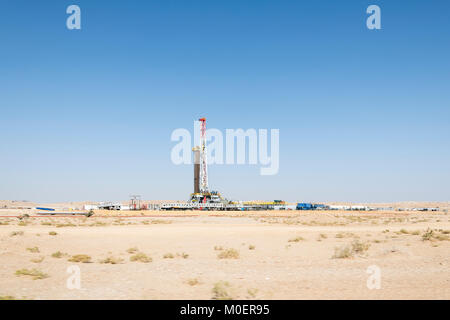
{"x":33,"y":249}
{"x":427,"y":235}
{"x":183,"y":255}
{"x":251,"y":247}
{"x":112,"y":260}
{"x":83,"y":258}
{"x":16,"y":233}
{"x":58,"y":254}
{"x":38,"y":260}
{"x":356,"y":247}
{"x":342,"y":252}
{"x":132,"y":250}
{"x":193,"y":282}
{"x":360,"y":247}
{"x":63,"y":225}
{"x":252,"y":293}
{"x":297,"y":239}
{"x":218,"y":248}
{"x":34,"y":273}
{"x":221,"y":291}
{"x":228,"y":254}
{"x":140,"y":257}
{"x":52,"y":233}
{"x":168,"y":256}
{"x":157,"y":221}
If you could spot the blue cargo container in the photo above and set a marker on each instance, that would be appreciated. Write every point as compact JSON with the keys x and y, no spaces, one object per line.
{"x":305,"y":206}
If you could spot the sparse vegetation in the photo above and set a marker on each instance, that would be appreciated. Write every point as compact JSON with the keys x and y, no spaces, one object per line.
{"x":252,"y":292}
{"x":16,"y":233}
{"x":63,"y":225}
{"x":251,"y":247}
{"x":228,"y":254}
{"x":218,"y":248}
{"x":183,"y":255}
{"x":112,"y":260}
{"x":342,"y":252}
{"x":52,"y":233}
{"x":360,"y":247}
{"x":348,"y":251}
{"x":34,"y":273}
{"x":58,"y":254}
{"x":297,"y":239}
{"x":141,"y":257}
{"x":38,"y":260}
{"x":221,"y":291}
{"x":33,"y":249}
{"x":158,"y":221}
{"x":427,"y":235}
{"x":7,"y":298}
{"x":193,"y":282}
{"x":83,"y":258}
{"x":168,"y":256}
{"x":132,"y":250}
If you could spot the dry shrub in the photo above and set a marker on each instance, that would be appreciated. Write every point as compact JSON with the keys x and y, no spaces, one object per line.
{"x":228,"y":254}
{"x":83,"y":258}
{"x":193,"y":282}
{"x":58,"y":254}
{"x":297,"y":239}
{"x":38,"y":260}
{"x":141,"y":257}
{"x":112,"y":260}
{"x":132,"y":250}
{"x":221,"y":291}
{"x":33,"y":250}
{"x":34,"y":273}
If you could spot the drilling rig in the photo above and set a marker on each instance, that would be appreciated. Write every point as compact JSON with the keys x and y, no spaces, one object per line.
{"x":201,"y":190}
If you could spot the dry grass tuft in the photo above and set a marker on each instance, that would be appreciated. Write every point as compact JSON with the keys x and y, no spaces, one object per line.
{"x":34,"y":273}
{"x":58,"y":254}
{"x":111,"y":260}
{"x":38,"y":260}
{"x":33,"y":250}
{"x":193,"y":282}
{"x":132,"y":250}
{"x":83,"y":258}
{"x":221,"y":291}
{"x":251,"y":247}
{"x":228,"y":254}
{"x":157,"y":221}
{"x":348,"y":251}
{"x":183,"y":255}
{"x":342,"y":252}
{"x":297,"y":239}
{"x":52,"y":233}
{"x":16,"y":233}
{"x":168,"y":256}
{"x":141,"y":257}
{"x":218,"y":248}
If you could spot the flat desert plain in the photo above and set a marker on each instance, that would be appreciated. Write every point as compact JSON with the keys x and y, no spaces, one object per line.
{"x":251,"y":255}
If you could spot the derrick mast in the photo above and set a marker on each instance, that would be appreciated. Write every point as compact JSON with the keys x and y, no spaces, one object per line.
{"x":203,"y":158}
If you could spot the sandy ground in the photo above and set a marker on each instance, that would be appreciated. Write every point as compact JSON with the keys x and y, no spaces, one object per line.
{"x":269,"y":266}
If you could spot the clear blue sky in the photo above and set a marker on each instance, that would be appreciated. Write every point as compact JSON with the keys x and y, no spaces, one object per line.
{"x":87,"y":115}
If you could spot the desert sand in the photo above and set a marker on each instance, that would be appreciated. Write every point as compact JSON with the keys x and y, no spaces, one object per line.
{"x":276,"y":255}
